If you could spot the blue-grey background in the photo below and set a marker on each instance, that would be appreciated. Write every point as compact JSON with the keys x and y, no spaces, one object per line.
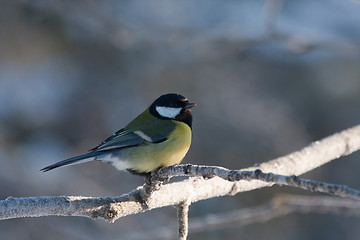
{"x":268,"y":77}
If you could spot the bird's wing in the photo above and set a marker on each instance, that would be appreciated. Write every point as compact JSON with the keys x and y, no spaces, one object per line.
{"x":145,"y":129}
{"x":120,"y":139}
{"x":130,"y":138}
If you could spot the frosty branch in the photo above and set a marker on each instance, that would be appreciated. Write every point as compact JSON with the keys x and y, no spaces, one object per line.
{"x":205,"y":182}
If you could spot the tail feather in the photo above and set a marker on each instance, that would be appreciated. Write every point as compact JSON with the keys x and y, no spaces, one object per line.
{"x":74,"y":160}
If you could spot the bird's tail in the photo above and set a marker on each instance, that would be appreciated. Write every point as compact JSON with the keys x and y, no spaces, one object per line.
{"x":74,"y":160}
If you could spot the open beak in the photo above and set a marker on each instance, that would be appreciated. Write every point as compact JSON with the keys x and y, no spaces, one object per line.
{"x":189,"y":105}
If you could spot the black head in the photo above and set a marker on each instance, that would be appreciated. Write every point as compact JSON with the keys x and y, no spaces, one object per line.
{"x":172,"y":106}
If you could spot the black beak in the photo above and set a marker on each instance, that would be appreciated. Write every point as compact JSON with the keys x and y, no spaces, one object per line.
{"x":189,"y":105}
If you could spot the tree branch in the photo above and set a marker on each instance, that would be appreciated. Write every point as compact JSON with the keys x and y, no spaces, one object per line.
{"x":183,"y":213}
{"x":195,"y":189}
{"x":234,"y":176}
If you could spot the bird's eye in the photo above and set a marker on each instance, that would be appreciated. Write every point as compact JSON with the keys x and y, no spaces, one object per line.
{"x":183,"y":101}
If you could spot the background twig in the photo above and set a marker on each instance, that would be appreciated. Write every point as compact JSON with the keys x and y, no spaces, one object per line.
{"x":280,"y":205}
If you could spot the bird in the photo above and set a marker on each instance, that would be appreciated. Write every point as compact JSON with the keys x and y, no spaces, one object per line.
{"x":159,"y":137}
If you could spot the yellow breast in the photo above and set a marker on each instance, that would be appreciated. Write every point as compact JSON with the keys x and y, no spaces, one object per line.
{"x":149,"y":157}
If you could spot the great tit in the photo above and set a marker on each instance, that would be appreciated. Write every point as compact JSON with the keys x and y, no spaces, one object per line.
{"x":158,"y":137}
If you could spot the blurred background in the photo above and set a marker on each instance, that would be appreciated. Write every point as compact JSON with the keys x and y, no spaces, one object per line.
{"x":269,"y":77}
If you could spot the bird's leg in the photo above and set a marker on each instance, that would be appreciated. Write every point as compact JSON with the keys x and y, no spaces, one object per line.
{"x":153,"y":181}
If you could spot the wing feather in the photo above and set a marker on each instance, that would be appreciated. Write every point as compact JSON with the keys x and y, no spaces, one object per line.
{"x":142,"y":130}
{"x":120,"y":140}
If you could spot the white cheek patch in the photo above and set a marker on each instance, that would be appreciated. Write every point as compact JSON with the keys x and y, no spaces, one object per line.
{"x":168,"y":112}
